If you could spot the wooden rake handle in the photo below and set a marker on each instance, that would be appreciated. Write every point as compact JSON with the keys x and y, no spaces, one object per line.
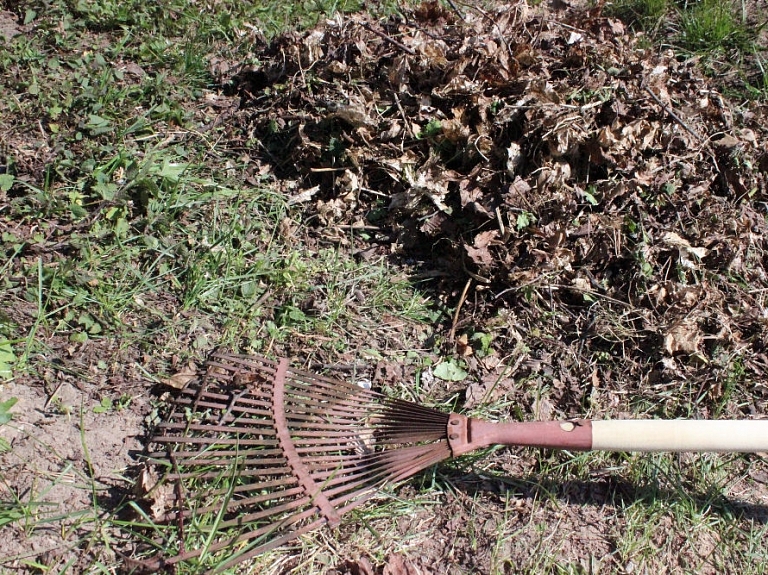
{"x":465,"y":435}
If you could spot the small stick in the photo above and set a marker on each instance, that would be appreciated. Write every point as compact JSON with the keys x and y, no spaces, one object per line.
{"x":389,"y":39}
{"x":462,"y":299}
{"x":455,"y":8}
{"x":674,"y":116}
{"x":405,"y":118}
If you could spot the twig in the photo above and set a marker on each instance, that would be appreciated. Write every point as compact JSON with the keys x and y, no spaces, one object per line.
{"x":389,"y":39}
{"x":456,"y":9}
{"x":674,"y":116}
{"x":405,"y":118}
{"x":462,"y":299}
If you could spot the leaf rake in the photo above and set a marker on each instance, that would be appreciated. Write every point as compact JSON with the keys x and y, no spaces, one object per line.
{"x":274,"y":452}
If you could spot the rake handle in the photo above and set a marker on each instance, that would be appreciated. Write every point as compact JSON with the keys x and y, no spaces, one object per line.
{"x":465,"y":435}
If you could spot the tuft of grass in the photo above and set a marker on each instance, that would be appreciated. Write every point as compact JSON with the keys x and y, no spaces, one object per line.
{"x":641,"y":14}
{"x":724,"y":33}
{"x":710,"y":25}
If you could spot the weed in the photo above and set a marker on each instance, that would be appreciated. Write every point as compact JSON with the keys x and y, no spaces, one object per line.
{"x":7,"y":359}
{"x":5,"y":417}
{"x":107,"y":404}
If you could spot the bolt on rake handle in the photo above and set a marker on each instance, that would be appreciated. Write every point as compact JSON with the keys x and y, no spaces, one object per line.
{"x":465,"y":435}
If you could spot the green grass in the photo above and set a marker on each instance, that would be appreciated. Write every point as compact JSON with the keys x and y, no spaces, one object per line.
{"x":724,"y":34}
{"x":644,"y":14}
{"x":169,"y":252}
{"x":709,"y":25}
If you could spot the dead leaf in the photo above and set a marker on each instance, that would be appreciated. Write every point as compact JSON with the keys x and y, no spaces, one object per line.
{"x":484,"y":239}
{"x":462,"y":346}
{"x":457,"y":86}
{"x":180,"y":379}
{"x":574,"y":37}
{"x":515,"y":158}
{"x":726,"y":142}
{"x":683,"y":336}
{"x":159,"y":496}
{"x":689,"y":256}
{"x":398,"y":565}
{"x":361,"y":566}
{"x":303,"y":196}
{"x":479,"y":253}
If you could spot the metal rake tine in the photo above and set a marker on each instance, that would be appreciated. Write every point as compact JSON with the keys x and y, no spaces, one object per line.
{"x":303,"y":449}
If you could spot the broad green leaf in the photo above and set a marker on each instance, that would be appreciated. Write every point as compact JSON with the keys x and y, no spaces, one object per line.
{"x":6,"y":181}
{"x":172,"y":171}
{"x":449,"y":371}
{"x":7,"y":359}
{"x":5,"y":408}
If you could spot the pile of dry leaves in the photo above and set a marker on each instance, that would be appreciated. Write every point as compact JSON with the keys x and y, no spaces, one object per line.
{"x":560,"y":167}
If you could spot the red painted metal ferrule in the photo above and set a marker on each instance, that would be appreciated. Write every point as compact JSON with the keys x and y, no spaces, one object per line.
{"x":466,"y":434}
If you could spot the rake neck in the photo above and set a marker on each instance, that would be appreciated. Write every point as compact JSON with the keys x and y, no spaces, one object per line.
{"x":466,"y":434}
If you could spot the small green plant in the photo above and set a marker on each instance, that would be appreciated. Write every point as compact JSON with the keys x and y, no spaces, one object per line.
{"x":6,"y":182}
{"x":7,"y":359}
{"x":482,"y":343}
{"x":5,"y":417}
{"x":524,"y":219}
{"x":432,"y":129}
{"x":5,"y":410}
{"x":108,"y":404}
{"x":61,"y":408}
{"x":450,"y":370}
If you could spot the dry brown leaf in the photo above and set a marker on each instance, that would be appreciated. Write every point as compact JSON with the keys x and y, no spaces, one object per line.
{"x":398,"y":565}
{"x":455,"y":131}
{"x":683,"y":336}
{"x":515,"y":158}
{"x":303,"y":196}
{"x":180,"y":379}
{"x":458,"y":86}
{"x":689,"y":256}
{"x":480,"y":256}
{"x":313,"y":47}
{"x":354,"y":114}
{"x":479,"y":252}
{"x":484,"y":239}
{"x":462,"y":346}
{"x":159,"y":497}
{"x":640,"y":135}
{"x":361,"y":566}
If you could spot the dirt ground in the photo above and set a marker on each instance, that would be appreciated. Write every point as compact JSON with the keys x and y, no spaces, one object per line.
{"x":72,"y":463}
{"x":69,"y":456}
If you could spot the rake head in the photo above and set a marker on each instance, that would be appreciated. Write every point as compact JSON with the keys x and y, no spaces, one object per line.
{"x":274,"y":452}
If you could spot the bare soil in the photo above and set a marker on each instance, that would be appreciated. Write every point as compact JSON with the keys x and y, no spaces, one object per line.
{"x":71,"y":463}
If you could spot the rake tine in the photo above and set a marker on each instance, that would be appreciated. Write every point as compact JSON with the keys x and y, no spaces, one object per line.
{"x":294,"y":451}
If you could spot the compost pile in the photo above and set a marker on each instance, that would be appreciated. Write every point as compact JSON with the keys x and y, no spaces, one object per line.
{"x":552,"y":162}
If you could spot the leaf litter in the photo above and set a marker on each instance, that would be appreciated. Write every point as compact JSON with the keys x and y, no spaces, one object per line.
{"x":548,"y":157}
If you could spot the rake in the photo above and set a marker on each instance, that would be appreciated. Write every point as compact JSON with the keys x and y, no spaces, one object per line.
{"x":273,"y":452}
